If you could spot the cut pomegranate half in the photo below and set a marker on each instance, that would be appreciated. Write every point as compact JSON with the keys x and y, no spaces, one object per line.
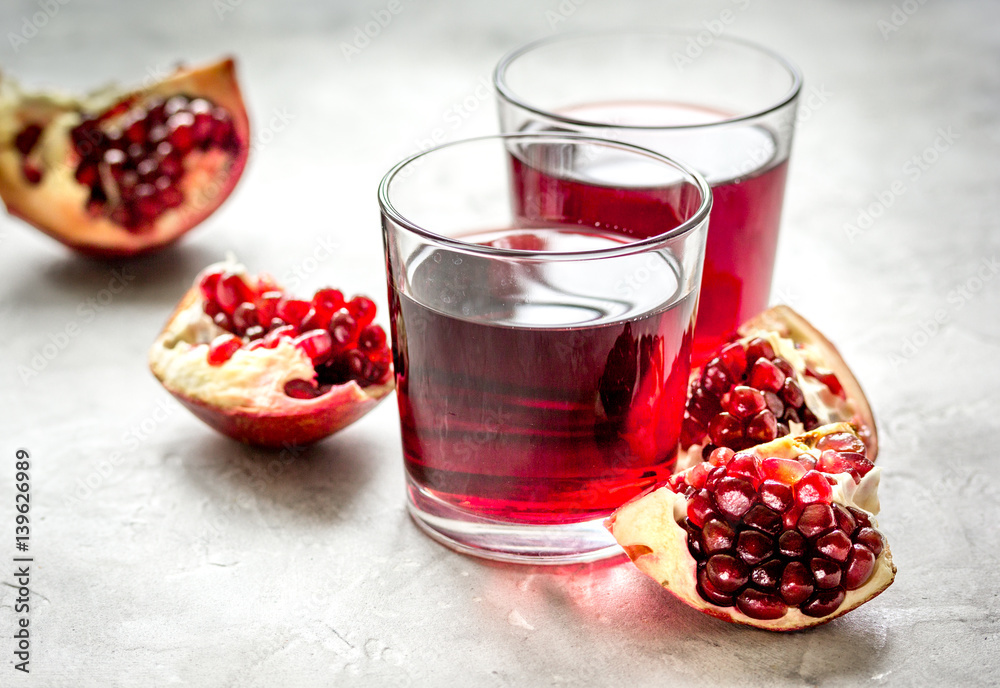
{"x":267,"y":369}
{"x":780,"y":375}
{"x":119,"y":173}
{"x":781,"y":536}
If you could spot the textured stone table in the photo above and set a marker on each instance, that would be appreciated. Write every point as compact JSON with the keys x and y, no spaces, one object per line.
{"x":167,"y":555}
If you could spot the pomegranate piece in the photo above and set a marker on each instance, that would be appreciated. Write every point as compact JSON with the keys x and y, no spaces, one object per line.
{"x":778,"y":376}
{"x":124,"y":172}
{"x":783,"y":549}
{"x":290,"y":383}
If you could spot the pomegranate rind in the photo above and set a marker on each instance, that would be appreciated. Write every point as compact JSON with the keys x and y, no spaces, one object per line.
{"x":244,"y":398}
{"x":816,"y":349}
{"x":57,"y":204}
{"x":649,"y":529}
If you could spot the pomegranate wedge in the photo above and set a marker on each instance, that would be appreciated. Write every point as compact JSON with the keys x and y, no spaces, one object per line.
{"x":119,"y":173}
{"x":267,"y":369}
{"x":781,"y":536}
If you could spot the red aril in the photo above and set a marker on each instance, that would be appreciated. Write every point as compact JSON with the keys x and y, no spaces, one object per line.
{"x":246,"y":359}
{"x":784,"y":550}
{"x":123,"y":172}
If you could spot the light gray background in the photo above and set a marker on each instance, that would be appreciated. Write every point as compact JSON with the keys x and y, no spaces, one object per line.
{"x":168,"y":555}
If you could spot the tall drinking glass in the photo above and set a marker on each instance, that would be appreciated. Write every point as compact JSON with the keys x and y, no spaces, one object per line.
{"x":541,"y":363}
{"x":724,"y":106}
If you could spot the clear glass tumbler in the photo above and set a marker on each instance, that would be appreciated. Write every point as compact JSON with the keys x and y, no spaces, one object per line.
{"x":541,"y":362}
{"x":725,"y":107}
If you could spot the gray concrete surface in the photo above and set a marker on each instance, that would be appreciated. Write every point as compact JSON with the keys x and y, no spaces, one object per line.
{"x":167,"y":555}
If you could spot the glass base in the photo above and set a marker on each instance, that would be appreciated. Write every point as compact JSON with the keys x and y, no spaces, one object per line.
{"x":468,"y":533}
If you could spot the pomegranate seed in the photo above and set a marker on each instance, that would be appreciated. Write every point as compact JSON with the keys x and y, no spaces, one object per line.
{"x":316,"y":344}
{"x":792,"y":544}
{"x":860,"y":565}
{"x":870,"y":538}
{"x":222,"y":348}
{"x":694,"y":477}
{"x":845,"y":521}
{"x":703,"y":405}
{"x":824,"y":603}
{"x":815,"y":520}
{"x":786,"y":471}
{"x":745,"y":402}
{"x":714,"y":476}
{"x":267,"y":305}
{"x":733,"y":497}
{"x":721,"y":456}
{"x":694,"y":542}
{"x":362,"y":309}
{"x":768,"y":575}
{"x":762,"y":428}
{"x":275,"y":336}
{"x":717,"y":536}
{"x":796,"y":583}
{"x":709,"y":592}
{"x":715,"y":379}
{"x":808,"y":461}
{"x":701,"y":509}
{"x":726,"y":573}
{"x":774,"y":404}
{"x":725,"y":429}
{"x":791,"y":516}
{"x":826,"y":573}
{"x":245,"y":316}
{"x":231,"y":292}
{"x":734,"y":358}
{"x":763,"y":519}
{"x":254,"y":332}
{"x":744,"y":465}
{"x":813,"y":488}
{"x":753,"y":547}
{"x":760,"y":605}
{"x":223,"y":321}
{"x":301,"y":389}
{"x":834,"y":545}
{"x":775,"y":495}
{"x":792,"y":393}
{"x":861,"y":516}
{"x":343,"y":328}
{"x":764,"y":375}
{"x":372,"y":338}
{"x":783,"y":365}
{"x":759,"y":348}
{"x":292,"y":311}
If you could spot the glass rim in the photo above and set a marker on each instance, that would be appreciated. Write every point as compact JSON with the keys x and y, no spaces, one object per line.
{"x":698,"y":218}
{"x":505,"y":92}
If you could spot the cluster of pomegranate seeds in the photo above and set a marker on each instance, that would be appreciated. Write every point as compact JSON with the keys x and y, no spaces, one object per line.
{"x":766,"y":535}
{"x":132,"y":156}
{"x":745,"y":396}
{"x":337,"y":335}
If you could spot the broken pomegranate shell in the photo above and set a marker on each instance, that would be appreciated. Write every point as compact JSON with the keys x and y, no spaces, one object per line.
{"x":781,"y":536}
{"x":778,"y":376}
{"x":267,"y":369}
{"x":120,"y":173}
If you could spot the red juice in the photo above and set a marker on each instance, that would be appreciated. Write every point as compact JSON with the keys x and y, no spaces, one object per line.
{"x":748,"y":186}
{"x":550,"y":396}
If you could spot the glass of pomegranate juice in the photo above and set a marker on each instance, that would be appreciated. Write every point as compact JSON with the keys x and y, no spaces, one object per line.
{"x":723,"y":106}
{"x":541,"y":347}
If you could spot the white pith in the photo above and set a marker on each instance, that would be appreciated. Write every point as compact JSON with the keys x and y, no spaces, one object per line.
{"x":654,"y":521}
